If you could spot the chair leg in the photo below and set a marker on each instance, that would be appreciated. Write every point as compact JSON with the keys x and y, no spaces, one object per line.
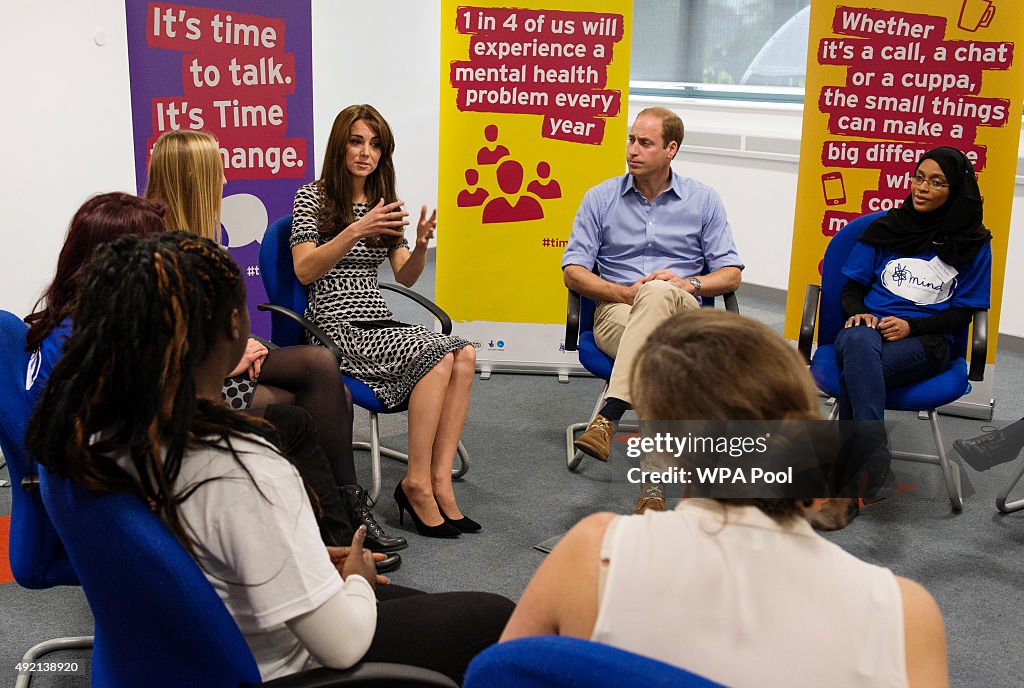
{"x":46,"y":647}
{"x":950,"y":470}
{"x":461,"y":453}
{"x":572,"y":456}
{"x":463,"y":457}
{"x":1016,"y":505}
{"x":377,"y":451}
{"x":373,"y":446}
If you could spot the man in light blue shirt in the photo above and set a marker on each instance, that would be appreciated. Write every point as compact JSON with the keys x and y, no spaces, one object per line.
{"x":657,"y":241}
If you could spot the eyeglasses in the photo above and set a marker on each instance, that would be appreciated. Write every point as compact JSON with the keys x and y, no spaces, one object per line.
{"x":934,"y":183}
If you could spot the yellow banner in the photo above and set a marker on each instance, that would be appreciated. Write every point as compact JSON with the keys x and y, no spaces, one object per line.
{"x":883,"y":87}
{"x":533,"y":113}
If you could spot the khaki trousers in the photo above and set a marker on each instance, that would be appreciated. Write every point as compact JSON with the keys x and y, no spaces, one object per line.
{"x":621,"y":330}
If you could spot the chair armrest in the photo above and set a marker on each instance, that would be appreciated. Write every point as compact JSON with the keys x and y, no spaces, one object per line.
{"x":808,"y":320}
{"x":572,"y":321}
{"x":446,"y":322}
{"x":731,"y":304}
{"x":979,"y":346}
{"x":365,"y":674}
{"x":319,"y":334}
{"x":265,"y":342}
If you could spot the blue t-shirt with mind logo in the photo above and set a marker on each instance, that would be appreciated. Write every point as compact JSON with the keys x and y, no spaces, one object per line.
{"x":920,"y":285}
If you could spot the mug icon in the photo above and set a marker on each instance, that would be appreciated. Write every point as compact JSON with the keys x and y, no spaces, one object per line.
{"x":976,"y":14}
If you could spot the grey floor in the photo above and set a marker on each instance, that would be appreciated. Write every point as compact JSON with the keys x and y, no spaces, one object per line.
{"x":519,"y":489}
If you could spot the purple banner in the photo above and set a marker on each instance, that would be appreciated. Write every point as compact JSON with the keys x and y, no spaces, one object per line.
{"x":242,"y":71}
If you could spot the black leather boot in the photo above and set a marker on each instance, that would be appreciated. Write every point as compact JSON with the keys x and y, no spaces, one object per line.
{"x":390,"y":562}
{"x":360,"y":514}
{"x":989,"y":450}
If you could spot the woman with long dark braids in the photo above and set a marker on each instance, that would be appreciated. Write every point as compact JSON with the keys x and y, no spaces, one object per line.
{"x":115,"y":313}
{"x":120,"y":416}
{"x":105,"y":217}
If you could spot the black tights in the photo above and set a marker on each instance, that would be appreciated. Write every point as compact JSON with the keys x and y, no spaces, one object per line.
{"x":308,"y":376}
{"x":449,"y":628}
{"x":300,"y":445}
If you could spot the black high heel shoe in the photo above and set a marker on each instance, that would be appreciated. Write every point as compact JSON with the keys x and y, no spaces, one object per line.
{"x":464,"y":524}
{"x":443,"y":530}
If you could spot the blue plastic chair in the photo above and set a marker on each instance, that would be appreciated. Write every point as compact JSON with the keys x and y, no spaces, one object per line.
{"x":563,"y":662}
{"x":159,"y":622}
{"x":288,"y":328}
{"x":38,"y":559}
{"x":579,"y":337}
{"x":823,"y":308}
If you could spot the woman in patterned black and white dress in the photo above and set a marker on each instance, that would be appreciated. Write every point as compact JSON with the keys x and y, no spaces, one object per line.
{"x":345,"y":225}
{"x":186,"y":174}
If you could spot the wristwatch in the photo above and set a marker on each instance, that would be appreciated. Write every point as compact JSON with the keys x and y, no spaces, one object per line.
{"x":696,"y":285}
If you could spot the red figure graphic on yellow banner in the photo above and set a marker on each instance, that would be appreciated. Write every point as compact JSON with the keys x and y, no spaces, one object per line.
{"x":549,"y":189}
{"x":512,"y":204}
{"x":510,"y":179}
{"x":469,"y":198}
{"x":490,"y":156}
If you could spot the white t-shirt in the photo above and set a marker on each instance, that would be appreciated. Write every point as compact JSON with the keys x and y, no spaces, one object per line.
{"x":259,"y":546}
{"x":747,"y":602}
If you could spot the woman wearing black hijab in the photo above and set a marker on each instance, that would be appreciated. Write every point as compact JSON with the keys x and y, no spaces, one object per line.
{"x":915,"y":277}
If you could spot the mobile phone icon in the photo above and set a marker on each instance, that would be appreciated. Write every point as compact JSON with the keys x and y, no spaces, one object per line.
{"x":832,"y":185}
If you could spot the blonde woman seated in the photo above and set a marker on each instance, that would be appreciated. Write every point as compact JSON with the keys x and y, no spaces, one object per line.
{"x":186,"y":174}
{"x":743,"y":592}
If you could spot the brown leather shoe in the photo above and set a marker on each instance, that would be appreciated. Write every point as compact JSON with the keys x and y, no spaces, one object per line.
{"x":596,"y":441}
{"x":649,"y":504}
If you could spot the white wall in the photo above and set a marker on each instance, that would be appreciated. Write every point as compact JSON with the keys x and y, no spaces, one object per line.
{"x":67,"y":113}
{"x":67,"y":125}
{"x":758,"y":188}
{"x":395,"y":69}
{"x":69,"y":133}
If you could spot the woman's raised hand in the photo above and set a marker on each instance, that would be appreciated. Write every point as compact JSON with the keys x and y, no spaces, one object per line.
{"x":425,"y":227}
{"x":387,"y":219}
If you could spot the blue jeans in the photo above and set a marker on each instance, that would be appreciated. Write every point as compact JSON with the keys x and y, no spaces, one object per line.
{"x":869,"y":365}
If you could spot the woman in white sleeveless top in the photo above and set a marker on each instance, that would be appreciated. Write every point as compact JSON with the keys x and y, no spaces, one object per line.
{"x":743,"y":592}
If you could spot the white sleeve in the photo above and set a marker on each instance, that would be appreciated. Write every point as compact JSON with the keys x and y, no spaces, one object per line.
{"x":264,"y":546}
{"x":339,"y":632}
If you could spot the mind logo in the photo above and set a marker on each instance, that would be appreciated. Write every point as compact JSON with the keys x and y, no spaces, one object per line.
{"x":916,"y":280}
{"x":899,"y":274}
